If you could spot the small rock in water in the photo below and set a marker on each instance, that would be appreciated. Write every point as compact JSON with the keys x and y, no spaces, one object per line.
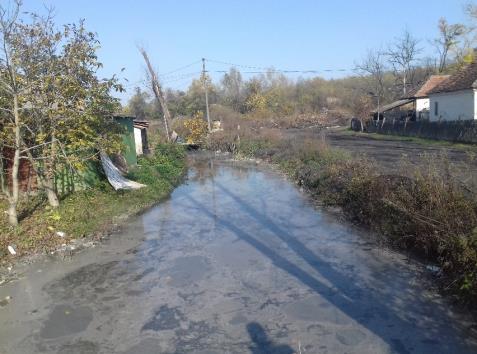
{"x":433,"y":269}
{"x":12,"y":250}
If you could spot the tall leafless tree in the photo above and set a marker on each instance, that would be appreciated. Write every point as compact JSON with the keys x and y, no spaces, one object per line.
{"x":403,"y":55}
{"x":373,"y":68}
{"x":449,"y":38}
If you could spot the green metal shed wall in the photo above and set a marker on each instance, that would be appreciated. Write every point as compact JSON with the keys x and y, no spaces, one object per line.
{"x":128,"y":139}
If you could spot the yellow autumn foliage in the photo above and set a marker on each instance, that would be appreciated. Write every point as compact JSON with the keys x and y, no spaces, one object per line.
{"x":196,"y":129}
{"x":256,"y":102}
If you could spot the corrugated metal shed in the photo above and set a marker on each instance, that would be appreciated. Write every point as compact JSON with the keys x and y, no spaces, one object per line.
{"x":127,"y":124}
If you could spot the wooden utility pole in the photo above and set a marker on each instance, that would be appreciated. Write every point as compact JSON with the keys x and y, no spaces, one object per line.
{"x":156,"y":87}
{"x":204,"y":81}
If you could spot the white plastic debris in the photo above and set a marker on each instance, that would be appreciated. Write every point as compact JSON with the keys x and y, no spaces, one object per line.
{"x":60,"y":233}
{"x":115,"y":178}
{"x":12,"y":250}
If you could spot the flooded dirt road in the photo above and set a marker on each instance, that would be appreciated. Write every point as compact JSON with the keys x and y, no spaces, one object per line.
{"x":237,"y":261}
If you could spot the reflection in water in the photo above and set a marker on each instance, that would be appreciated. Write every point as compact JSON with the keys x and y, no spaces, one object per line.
{"x":236,"y":261}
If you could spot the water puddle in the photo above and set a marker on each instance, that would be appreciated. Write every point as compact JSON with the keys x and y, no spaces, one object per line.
{"x":236,"y":261}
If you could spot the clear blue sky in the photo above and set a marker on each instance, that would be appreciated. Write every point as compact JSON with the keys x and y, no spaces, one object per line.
{"x":299,"y":35}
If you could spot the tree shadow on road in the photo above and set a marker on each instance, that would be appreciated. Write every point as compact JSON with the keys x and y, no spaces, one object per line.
{"x":373,"y":311}
{"x":262,"y":344}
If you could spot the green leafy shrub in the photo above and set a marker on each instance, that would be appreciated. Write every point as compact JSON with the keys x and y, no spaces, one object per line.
{"x":90,"y":211}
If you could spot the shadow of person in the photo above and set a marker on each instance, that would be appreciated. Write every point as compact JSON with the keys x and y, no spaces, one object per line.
{"x":262,"y":344}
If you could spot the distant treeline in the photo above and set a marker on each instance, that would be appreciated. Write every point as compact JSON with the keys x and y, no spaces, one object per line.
{"x":384,"y":74}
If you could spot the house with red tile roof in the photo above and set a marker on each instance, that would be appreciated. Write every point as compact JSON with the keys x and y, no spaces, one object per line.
{"x":415,"y":105}
{"x":420,"y":95}
{"x":456,"y":97}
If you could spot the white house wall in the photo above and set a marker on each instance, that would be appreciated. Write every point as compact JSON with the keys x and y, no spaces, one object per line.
{"x":459,"y":105}
{"x":138,"y":140}
{"x":422,"y":104}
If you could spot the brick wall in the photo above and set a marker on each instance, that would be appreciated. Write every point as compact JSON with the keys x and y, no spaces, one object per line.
{"x":28,"y":180}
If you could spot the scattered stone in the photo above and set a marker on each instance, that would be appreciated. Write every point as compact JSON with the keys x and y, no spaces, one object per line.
{"x":12,"y":250}
{"x":60,"y":234}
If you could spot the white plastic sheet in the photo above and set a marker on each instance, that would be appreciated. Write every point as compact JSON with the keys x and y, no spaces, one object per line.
{"x":115,"y":177}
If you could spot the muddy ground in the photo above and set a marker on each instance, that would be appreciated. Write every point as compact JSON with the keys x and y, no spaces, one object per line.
{"x":391,"y":153}
{"x":388,"y":151}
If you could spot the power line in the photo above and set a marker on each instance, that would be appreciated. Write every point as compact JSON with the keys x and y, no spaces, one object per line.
{"x":236,"y":65}
{"x":262,"y":70}
{"x":180,"y":77}
{"x":180,"y":69}
{"x":179,"y":86}
{"x":167,"y":78}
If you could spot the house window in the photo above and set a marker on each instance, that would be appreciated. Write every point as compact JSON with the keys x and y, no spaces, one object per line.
{"x":436,"y":108}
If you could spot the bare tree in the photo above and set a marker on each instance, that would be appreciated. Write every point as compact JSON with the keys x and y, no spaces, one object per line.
{"x":373,"y":69}
{"x":449,"y":38}
{"x":471,"y":10}
{"x":156,"y":88}
{"x":403,"y":54}
{"x":232,"y":89}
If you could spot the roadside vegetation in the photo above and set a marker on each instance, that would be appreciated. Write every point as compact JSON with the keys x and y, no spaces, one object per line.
{"x":423,"y":209}
{"x":56,"y":116}
{"x":56,"y":113}
{"x":91,"y":212}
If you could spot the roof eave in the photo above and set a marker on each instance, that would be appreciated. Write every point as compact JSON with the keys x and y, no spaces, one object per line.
{"x":451,"y":91}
